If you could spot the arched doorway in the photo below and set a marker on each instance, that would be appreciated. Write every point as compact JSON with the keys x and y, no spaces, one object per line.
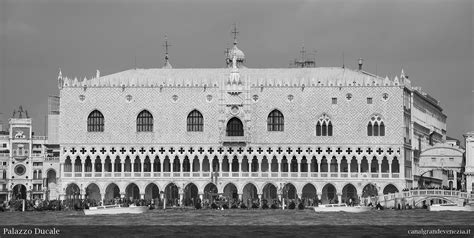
{"x":328,"y":194}
{"x":349,"y":194}
{"x":210,"y":192}
{"x":152,"y":192}
{"x":73,"y":196}
{"x":234,"y":127}
{"x":171,"y":194}
{"x":51,"y":184}
{"x":93,"y":193}
{"x":230,"y":191}
{"x":190,"y":194}
{"x":72,"y":191}
{"x":19,"y":192}
{"x":390,"y":189}
{"x":289,"y":191}
{"x":132,"y":192}
{"x":309,"y":195}
{"x":112,"y":192}
{"x":369,"y":191}
{"x":270,"y":193}
{"x":249,"y":194}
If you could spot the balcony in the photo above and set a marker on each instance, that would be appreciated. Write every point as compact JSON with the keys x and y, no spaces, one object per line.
{"x":234,"y":140}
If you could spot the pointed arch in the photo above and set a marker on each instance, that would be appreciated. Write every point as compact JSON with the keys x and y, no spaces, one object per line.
{"x":376,"y":126}
{"x":144,"y":121}
{"x":195,"y":121}
{"x":275,"y":121}
{"x":95,"y":121}
{"x":324,"y":126}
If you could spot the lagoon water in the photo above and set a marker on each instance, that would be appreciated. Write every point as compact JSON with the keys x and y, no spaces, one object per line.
{"x":281,"y":223}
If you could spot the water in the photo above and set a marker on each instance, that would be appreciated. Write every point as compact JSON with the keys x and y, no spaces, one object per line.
{"x":198,"y":220}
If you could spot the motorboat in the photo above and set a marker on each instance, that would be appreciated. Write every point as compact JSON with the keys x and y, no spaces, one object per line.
{"x":450,"y":207}
{"x":341,"y":208}
{"x":115,"y":209}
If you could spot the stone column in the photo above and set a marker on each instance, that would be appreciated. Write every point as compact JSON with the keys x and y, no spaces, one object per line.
{"x":279,"y":168}
{"x":339,"y":198}
{"x":338,"y":168}
{"x":201,"y":199}
{"x":83,"y":164}
{"x":132,"y":162}
{"x":260,"y":200}
{"x":200,"y":167}
{"x":142,"y":196}
{"x":93,"y":168}
{"x":240,"y":169}
{"x":220,"y":167}
{"x":282,"y":200}
{"x":380,"y":168}
{"x":299,"y":168}
{"x":152,"y":164}
{"x":171,"y":167}
{"x":161,"y":166}
{"x":319,"y":168}
{"x":113,"y":169}
{"x":102,"y":198}
{"x":103,"y":168}
{"x":191,"y":167}
{"x":390,"y":168}
{"x":259,"y":168}
{"x":142,"y":169}
{"x":181,"y":168}
{"x":358,"y":168}
{"x":181,"y":198}
{"x":122,"y":165}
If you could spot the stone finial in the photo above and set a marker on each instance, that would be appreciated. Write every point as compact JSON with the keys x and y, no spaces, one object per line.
{"x":97,"y":74}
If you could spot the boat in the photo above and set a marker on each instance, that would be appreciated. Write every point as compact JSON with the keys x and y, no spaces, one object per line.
{"x":450,"y":207}
{"x":340,"y":208}
{"x":115,"y":209}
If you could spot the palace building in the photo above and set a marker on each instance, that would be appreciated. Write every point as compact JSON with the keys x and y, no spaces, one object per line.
{"x":270,"y":133}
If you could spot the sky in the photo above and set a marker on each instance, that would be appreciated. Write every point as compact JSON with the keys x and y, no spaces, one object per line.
{"x":432,"y":40}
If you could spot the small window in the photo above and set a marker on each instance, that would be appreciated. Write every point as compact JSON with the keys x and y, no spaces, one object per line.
{"x":451,"y":159}
{"x":334,"y":100}
{"x":369,"y":100}
{"x":4,"y":145}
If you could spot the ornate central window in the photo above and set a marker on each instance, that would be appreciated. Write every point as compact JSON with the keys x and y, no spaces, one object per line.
{"x":275,"y":121}
{"x":234,"y":127}
{"x":195,"y":121}
{"x":144,"y":121}
{"x":95,"y":122}
{"x":324,"y":126}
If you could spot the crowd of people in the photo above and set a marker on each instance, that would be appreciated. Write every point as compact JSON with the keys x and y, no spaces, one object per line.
{"x":216,"y":202}
{"x":433,"y":187}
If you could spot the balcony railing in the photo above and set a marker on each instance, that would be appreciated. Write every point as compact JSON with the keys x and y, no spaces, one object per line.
{"x":226,"y":174}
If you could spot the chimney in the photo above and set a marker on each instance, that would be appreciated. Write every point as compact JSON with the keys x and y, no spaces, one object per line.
{"x":361,"y":61}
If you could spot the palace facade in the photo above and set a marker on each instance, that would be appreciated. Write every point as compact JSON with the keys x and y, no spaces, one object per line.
{"x":328,"y":132}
